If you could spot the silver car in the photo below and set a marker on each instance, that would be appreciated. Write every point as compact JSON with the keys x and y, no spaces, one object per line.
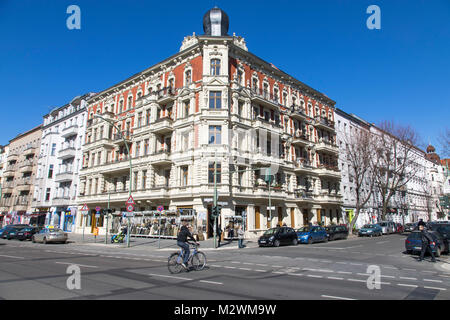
{"x":387,"y":227}
{"x":50,"y":235}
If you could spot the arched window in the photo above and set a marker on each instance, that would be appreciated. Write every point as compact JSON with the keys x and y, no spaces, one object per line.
{"x":215,"y":67}
{"x":130,"y":102}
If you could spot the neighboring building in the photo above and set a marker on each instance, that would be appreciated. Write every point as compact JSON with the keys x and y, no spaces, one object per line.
{"x":4,"y":150}
{"x":19,"y":175}
{"x":59,"y":164}
{"x":213,"y":102}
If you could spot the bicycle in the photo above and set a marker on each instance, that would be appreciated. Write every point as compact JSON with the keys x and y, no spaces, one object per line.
{"x":197,"y":260}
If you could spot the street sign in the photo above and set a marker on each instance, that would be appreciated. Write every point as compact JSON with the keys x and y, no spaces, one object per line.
{"x":98,"y":209}
{"x":130,"y":208}
{"x":85,"y":208}
{"x":222,"y":203}
{"x":160,"y":208}
{"x":270,"y":208}
{"x":130,"y":200}
{"x":127,"y":214}
{"x":208,"y":200}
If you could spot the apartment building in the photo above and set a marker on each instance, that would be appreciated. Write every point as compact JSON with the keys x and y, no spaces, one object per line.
{"x":18,"y":177}
{"x":4,"y":150}
{"x":59,"y":163}
{"x":212,"y":107}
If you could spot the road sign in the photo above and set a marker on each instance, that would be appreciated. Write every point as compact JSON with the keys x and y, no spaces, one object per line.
{"x":208,"y":200}
{"x":270,"y":208}
{"x":130,"y":208}
{"x":98,"y":209}
{"x":160,"y":208}
{"x":85,"y":208}
{"x":127,"y":214}
{"x":222,"y":203}
{"x":130,"y":200}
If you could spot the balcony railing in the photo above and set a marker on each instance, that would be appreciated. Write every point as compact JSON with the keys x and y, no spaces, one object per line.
{"x":167,"y":92}
{"x":324,"y":122}
{"x":123,"y":135}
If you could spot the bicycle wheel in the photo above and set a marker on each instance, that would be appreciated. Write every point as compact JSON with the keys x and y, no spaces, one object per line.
{"x":198,"y":260}
{"x":173,"y":265}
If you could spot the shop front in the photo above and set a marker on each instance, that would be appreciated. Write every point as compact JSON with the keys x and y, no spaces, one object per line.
{"x":69,"y":219}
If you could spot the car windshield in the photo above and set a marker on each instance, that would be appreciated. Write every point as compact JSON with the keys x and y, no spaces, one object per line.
{"x":304,"y":229}
{"x":27,"y":229}
{"x":270,"y":232}
{"x":54,"y":230}
{"x":369,"y":226}
{"x":383,"y":224}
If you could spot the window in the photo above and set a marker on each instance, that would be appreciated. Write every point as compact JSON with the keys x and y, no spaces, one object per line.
{"x":139,"y":122}
{"x":186,"y":109}
{"x":211,"y":173}
{"x":138,"y":149}
{"x":120,"y":106}
{"x":50,"y":171}
{"x":47,"y":194}
{"x":53,"y":149}
{"x":184,"y":175}
{"x":146,"y":146}
{"x":188,"y":77}
{"x":147,"y":117}
{"x":215,"y":99}
{"x":215,"y":67}
{"x":240,"y":108}
{"x":215,"y":135}
{"x":144,"y":179}
{"x":130,"y":102}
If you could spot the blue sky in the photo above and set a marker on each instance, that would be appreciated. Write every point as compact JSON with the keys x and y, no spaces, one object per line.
{"x":400,"y":72}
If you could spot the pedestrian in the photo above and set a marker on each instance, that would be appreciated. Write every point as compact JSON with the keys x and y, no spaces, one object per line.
{"x":231,"y":232}
{"x":219,"y":234}
{"x":421,"y":223}
{"x":240,"y":234}
{"x":426,"y":244}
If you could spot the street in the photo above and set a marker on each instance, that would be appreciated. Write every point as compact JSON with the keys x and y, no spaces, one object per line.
{"x":336,"y":270}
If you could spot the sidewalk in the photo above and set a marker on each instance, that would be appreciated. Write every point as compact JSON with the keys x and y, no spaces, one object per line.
{"x":153,"y":243}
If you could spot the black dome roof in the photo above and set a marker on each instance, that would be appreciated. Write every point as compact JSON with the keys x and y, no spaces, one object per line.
{"x":216,"y":22}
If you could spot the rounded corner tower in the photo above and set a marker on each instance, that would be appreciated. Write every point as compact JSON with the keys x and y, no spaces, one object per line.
{"x":216,"y":23}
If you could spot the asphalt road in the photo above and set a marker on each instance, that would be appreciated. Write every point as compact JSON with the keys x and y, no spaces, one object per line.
{"x":335,"y":270}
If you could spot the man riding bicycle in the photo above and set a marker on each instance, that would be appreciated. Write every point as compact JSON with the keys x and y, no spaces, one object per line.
{"x":182,"y":242}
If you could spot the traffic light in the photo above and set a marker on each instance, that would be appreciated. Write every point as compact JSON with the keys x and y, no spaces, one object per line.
{"x":215,"y":212}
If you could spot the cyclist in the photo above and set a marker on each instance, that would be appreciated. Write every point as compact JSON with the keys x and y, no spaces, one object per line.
{"x":182,"y":241}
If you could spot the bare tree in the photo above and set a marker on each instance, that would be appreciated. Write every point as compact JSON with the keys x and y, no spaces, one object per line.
{"x":361,"y":163}
{"x":396,"y":160}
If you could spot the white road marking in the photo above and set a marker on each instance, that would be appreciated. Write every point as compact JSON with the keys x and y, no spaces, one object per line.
{"x":277,"y":266}
{"x":77,"y":264}
{"x":407,"y":278}
{"x":335,"y":278}
{"x":257,"y":270}
{"x":394,"y":268}
{"x":409,"y":269}
{"x":380,"y":242}
{"x":247,"y":269}
{"x":344,"y":272}
{"x":431,"y":280}
{"x":342,"y":262}
{"x":164,"y":276}
{"x":334,"y":297}
{"x":362,"y":274}
{"x":435,"y":288}
{"x":228,"y":267}
{"x":262,"y":265}
{"x":356,"y":280}
{"x":212,"y":282}
{"x":2,"y":255}
{"x":407,"y":285}
{"x":392,"y":277}
{"x":235,"y":262}
{"x":278,"y":272}
{"x":356,"y":264}
{"x":314,"y":276}
{"x":247,"y":263}
{"x":295,"y":274}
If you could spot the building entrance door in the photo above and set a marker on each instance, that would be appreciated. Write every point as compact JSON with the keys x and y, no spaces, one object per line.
{"x":292,"y":218}
{"x":257,"y":218}
{"x":305,"y":217}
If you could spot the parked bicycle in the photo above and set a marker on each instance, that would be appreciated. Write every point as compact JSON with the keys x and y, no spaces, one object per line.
{"x":197,"y":260}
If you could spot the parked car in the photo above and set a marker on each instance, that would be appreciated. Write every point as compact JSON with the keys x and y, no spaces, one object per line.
{"x":12,"y":233}
{"x":413,"y":243}
{"x":312,"y":234}
{"x":399,"y":228}
{"x":370,"y":230}
{"x":387,"y":227}
{"x":409,"y":227}
{"x":5,"y":230}
{"x":443,"y":228}
{"x":277,"y":236}
{"x":337,"y":232}
{"x":26,"y":233}
{"x":50,"y":235}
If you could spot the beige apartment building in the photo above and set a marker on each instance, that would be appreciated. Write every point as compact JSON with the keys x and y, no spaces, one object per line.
{"x":18,"y":178}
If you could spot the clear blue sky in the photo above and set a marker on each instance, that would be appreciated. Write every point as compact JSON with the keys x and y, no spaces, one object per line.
{"x":400,"y":72}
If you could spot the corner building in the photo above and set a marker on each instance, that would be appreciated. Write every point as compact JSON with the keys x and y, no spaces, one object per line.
{"x":213,"y":102}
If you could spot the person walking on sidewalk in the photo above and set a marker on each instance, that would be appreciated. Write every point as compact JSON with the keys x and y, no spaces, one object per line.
{"x":426,"y":244}
{"x":240,"y":234}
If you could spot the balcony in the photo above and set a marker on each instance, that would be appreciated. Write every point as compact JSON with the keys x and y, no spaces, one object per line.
{"x":303,"y":165}
{"x":61,"y":201}
{"x":166,"y":95}
{"x":121,"y":138}
{"x":162,"y":126}
{"x":298,"y":113}
{"x":323,"y":123}
{"x":161,"y":157}
{"x":29,"y":150}
{"x":329,"y":171}
{"x":66,"y":153}
{"x":300,"y":140}
{"x":64,"y":176}
{"x":327,"y":146}
{"x":10,"y":170}
{"x":13,"y":156}
{"x":302,"y":194}
{"x":265,"y":98}
{"x":26,"y":166}
{"x":69,"y":131}
{"x":267,"y":124}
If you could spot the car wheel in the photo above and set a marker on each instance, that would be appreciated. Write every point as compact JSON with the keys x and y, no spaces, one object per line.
{"x":295,"y":242}
{"x":276,"y":243}
{"x":44,"y":241}
{"x":310,"y":241}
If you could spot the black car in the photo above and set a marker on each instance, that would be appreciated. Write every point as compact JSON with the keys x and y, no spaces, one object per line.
{"x":337,"y":232}
{"x":5,"y":230}
{"x":443,"y":228}
{"x":12,"y":233}
{"x":276,"y":236}
{"x":26,"y":233}
{"x":410,"y":227}
{"x":413,"y":243}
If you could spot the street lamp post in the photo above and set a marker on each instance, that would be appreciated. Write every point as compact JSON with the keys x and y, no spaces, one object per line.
{"x":131,"y":169}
